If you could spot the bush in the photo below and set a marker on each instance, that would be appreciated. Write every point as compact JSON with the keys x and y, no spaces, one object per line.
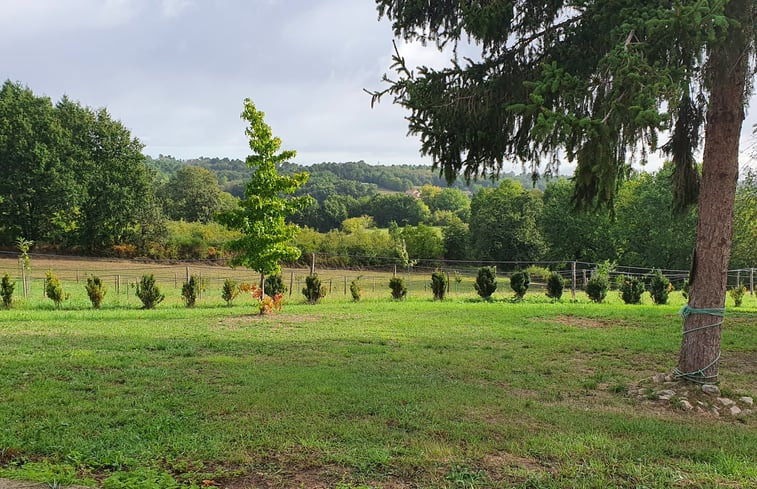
{"x":54,"y":289}
{"x":737,"y":294}
{"x":274,"y":285}
{"x":631,"y":289}
{"x":659,"y":287}
{"x":399,"y":290}
{"x":596,"y":288}
{"x":486,"y":282}
{"x":190,"y":290}
{"x":555,"y":286}
{"x":313,"y":290}
{"x":230,"y":291}
{"x":519,"y":282}
{"x":439,"y":284}
{"x":6,"y":290}
{"x":355,"y":290}
{"x":148,"y":292}
{"x":95,"y":290}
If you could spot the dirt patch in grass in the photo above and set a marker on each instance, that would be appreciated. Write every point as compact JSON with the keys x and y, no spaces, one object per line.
{"x":509,"y":467}
{"x":583,"y":322}
{"x":269,"y":320}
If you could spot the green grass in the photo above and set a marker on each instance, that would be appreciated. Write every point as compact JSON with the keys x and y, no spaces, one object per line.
{"x":453,"y":394}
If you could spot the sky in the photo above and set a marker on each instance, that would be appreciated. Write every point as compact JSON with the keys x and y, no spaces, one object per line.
{"x":176,"y":72}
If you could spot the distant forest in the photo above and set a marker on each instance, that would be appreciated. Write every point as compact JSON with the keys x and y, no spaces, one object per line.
{"x":233,"y":173}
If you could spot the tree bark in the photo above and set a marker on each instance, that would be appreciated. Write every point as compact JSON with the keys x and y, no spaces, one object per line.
{"x":727,"y":72}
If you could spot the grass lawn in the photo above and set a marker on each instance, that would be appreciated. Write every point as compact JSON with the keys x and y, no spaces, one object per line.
{"x":457,"y":394}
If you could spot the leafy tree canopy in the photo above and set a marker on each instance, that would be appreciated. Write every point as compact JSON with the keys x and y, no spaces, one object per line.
{"x":268,"y":201}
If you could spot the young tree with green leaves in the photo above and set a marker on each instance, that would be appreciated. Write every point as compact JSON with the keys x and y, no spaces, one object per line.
{"x":594,"y":82}
{"x":268,"y":201}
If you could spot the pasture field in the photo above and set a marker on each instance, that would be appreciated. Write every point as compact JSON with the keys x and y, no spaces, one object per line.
{"x":453,"y":394}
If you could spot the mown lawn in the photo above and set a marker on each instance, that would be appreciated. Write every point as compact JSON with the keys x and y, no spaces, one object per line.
{"x":458,"y":394}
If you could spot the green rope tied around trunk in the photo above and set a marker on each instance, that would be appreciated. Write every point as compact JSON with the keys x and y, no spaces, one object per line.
{"x":698,"y":376}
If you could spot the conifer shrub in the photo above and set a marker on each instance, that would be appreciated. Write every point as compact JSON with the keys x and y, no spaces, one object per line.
{"x":54,"y":289}
{"x":355,"y":290}
{"x":313,"y":290}
{"x":599,"y":284}
{"x":519,"y":282}
{"x":7,"y":286}
{"x":555,"y":286}
{"x":737,"y":294}
{"x":149,"y":292}
{"x":398,"y":287}
{"x":486,"y":282}
{"x":190,"y":290}
{"x":230,"y":291}
{"x":95,"y":290}
{"x":274,"y":285}
{"x":439,"y":285}
{"x":631,"y":289}
{"x":659,"y":287}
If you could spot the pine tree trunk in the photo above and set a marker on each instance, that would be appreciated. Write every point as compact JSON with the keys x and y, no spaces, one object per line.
{"x":728,"y":64}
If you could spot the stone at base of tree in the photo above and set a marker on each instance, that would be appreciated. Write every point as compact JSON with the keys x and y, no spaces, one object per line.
{"x":686,"y":405}
{"x":725,"y":401}
{"x":747,"y":400}
{"x":666,"y":394}
{"x":711,"y":390}
{"x":735,"y":411}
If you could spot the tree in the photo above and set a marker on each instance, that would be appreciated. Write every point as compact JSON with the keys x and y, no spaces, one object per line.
{"x":646,"y":231}
{"x":400,"y":208}
{"x":573,"y":235}
{"x":192,"y":194}
{"x":503,"y":224}
{"x":261,"y":216}
{"x":745,"y":222}
{"x":595,"y":81}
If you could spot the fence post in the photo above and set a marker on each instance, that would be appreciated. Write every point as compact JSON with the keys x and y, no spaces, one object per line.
{"x":330,"y":283}
{"x":77,"y":276}
{"x":23,"y":282}
{"x":583,"y":272}
{"x":448,"y":284}
{"x":394,"y":274}
{"x":186,"y":271}
{"x":573,"y":289}
{"x":312,"y":263}
{"x":175,"y":280}
{"x":751,"y":281}
{"x":345,"y":285}
{"x":291,"y":282}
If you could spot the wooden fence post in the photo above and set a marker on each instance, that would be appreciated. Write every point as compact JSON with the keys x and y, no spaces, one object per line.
{"x":291,"y":282}
{"x":751,"y":281}
{"x":312,"y":263}
{"x":573,"y":290}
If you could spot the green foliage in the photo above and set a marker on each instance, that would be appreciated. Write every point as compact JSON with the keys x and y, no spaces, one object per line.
{"x":646,"y":232}
{"x":149,"y":292}
{"x":503,"y":224}
{"x":659,"y":287}
{"x":96,"y":290}
{"x":519,"y":282}
{"x":400,"y":208}
{"x":190,"y":290}
{"x":261,"y":216}
{"x":737,"y":294}
{"x":7,"y":287}
{"x":744,"y":250}
{"x":555,"y":286}
{"x":313,"y":290}
{"x":230,"y":291}
{"x":456,"y":236}
{"x":54,"y":289}
{"x":486,"y":282}
{"x":355,"y":290}
{"x":631,"y":289}
{"x":599,"y":284}
{"x":274,"y":285}
{"x":439,"y":284}
{"x":191,"y":194}
{"x":23,"y":246}
{"x":398,"y":288}
{"x":572,"y":235}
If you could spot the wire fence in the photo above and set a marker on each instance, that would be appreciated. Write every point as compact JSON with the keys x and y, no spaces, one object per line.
{"x":335,"y":276}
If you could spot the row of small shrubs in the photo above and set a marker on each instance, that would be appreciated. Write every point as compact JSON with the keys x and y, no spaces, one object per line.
{"x":486,"y":283}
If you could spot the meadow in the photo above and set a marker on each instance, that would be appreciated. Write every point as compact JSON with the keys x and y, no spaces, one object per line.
{"x":376,"y":394}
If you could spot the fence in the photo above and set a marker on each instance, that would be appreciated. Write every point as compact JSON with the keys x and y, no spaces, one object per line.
{"x":121,"y":274}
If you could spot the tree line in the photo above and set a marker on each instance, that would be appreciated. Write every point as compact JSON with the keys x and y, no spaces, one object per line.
{"x":75,"y":179}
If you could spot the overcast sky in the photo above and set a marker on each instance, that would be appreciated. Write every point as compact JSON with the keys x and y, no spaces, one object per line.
{"x":176,"y":72}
